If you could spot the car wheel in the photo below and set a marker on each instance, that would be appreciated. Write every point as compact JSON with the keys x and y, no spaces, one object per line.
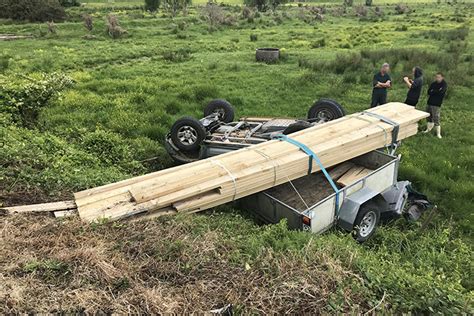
{"x":187,"y":133}
{"x":295,"y":127}
{"x":221,"y":107}
{"x":325,"y":110}
{"x":366,"y":222}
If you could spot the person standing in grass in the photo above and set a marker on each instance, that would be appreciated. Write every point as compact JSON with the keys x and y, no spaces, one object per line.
{"x":381,"y":83}
{"x":436,"y":93}
{"x":414,"y":86}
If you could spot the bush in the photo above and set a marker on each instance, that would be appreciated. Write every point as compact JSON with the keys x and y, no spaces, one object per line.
{"x":32,"y":10}
{"x":264,"y":5}
{"x":22,"y":99}
{"x":179,"y":55}
{"x":174,"y":6}
{"x":109,"y":148}
{"x":341,"y":64}
{"x":88,"y":23}
{"x":152,"y":5}
{"x":213,"y":14}
{"x":253,"y":37}
{"x":69,"y":3}
{"x":361,"y":11}
{"x":402,"y":8}
{"x":319,"y":43}
{"x":246,"y":12}
{"x":39,"y":162}
{"x":113,"y":27}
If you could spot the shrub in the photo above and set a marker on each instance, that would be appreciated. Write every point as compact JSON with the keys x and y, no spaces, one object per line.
{"x":246,"y":12}
{"x":319,"y":43}
{"x":361,"y":11}
{"x":113,"y":27}
{"x":109,"y":148}
{"x":378,"y":11}
{"x":23,"y":98}
{"x":52,"y":28}
{"x":179,"y":55}
{"x":35,"y":161}
{"x":88,"y":23}
{"x":152,"y":5}
{"x":4,"y":61}
{"x":402,"y":8}
{"x":264,"y":5}
{"x":213,"y":14}
{"x":253,"y":37}
{"x":460,"y":33}
{"x":341,"y":64}
{"x":69,"y":3}
{"x":283,"y":54}
{"x":203,"y":92}
{"x":174,"y":6}
{"x":32,"y":10}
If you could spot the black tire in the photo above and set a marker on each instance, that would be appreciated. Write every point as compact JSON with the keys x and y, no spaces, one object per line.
{"x":224,"y":108}
{"x":187,"y":133}
{"x":325,"y":110}
{"x":366,"y":222}
{"x":296,"y":127}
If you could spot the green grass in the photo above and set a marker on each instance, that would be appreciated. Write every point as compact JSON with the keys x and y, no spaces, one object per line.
{"x":129,"y":91}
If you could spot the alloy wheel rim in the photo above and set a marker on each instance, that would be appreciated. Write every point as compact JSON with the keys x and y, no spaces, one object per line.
{"x":187,"y":135}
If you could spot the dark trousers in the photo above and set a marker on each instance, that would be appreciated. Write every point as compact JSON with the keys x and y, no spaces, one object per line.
{"x":378,"y":98}
{"x":411,"y":102}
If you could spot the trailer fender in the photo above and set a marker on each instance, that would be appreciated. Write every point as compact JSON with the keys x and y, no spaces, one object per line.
{"x":351,"y":205}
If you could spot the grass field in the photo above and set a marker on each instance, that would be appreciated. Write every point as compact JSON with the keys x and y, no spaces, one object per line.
{"x":109,"y":124}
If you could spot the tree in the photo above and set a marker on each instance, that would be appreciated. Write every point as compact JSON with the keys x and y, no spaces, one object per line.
{"x":264,"y":5}
{"x":32,"y":10}
{"x":152,"y":5}
{"x":69,"y":3}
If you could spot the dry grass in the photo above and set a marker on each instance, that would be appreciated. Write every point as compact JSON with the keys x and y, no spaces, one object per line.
{"x":48,"y":265}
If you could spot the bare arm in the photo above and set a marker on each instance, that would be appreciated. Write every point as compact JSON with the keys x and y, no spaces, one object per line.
{"x":408,"y":81}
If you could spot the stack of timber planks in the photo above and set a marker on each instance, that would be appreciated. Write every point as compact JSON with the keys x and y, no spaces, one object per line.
{"x":214,"y":181}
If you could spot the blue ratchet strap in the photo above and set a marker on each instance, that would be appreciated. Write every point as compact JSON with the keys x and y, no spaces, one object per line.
{"x":312,"y":156}
{"x":396,"y":126}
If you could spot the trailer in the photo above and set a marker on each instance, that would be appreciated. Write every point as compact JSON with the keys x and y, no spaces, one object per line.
{"x":310,"y":203}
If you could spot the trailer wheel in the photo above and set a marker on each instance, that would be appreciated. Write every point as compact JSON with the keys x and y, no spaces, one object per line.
{"x":366,"y":222}
{"x":325,"y":110}
{"x":187,"y":133}
{"x":296,"y":127}
{"x":221,"y":107}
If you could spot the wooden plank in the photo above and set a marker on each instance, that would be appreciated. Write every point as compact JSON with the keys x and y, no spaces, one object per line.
{"x":192,"y":187}
{"x":354,"y":174}
{"x":43,"y":207}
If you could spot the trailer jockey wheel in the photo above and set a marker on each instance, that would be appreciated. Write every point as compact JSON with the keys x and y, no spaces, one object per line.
{"x":325,"y":110}
{"x":187,"y":133}
{"x":366,"y":222}
{"x":221,"y":107}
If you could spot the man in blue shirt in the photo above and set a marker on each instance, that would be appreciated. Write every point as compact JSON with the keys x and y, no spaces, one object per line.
{"x":381,"y":83}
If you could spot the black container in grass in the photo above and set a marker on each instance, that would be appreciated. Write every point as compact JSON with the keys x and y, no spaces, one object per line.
{"x":267,"y":55}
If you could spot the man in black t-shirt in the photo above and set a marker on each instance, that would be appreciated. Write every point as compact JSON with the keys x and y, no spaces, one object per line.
{"x":436,"y":93}
{"x":381,"y":83}
{"x":414,"y":86}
